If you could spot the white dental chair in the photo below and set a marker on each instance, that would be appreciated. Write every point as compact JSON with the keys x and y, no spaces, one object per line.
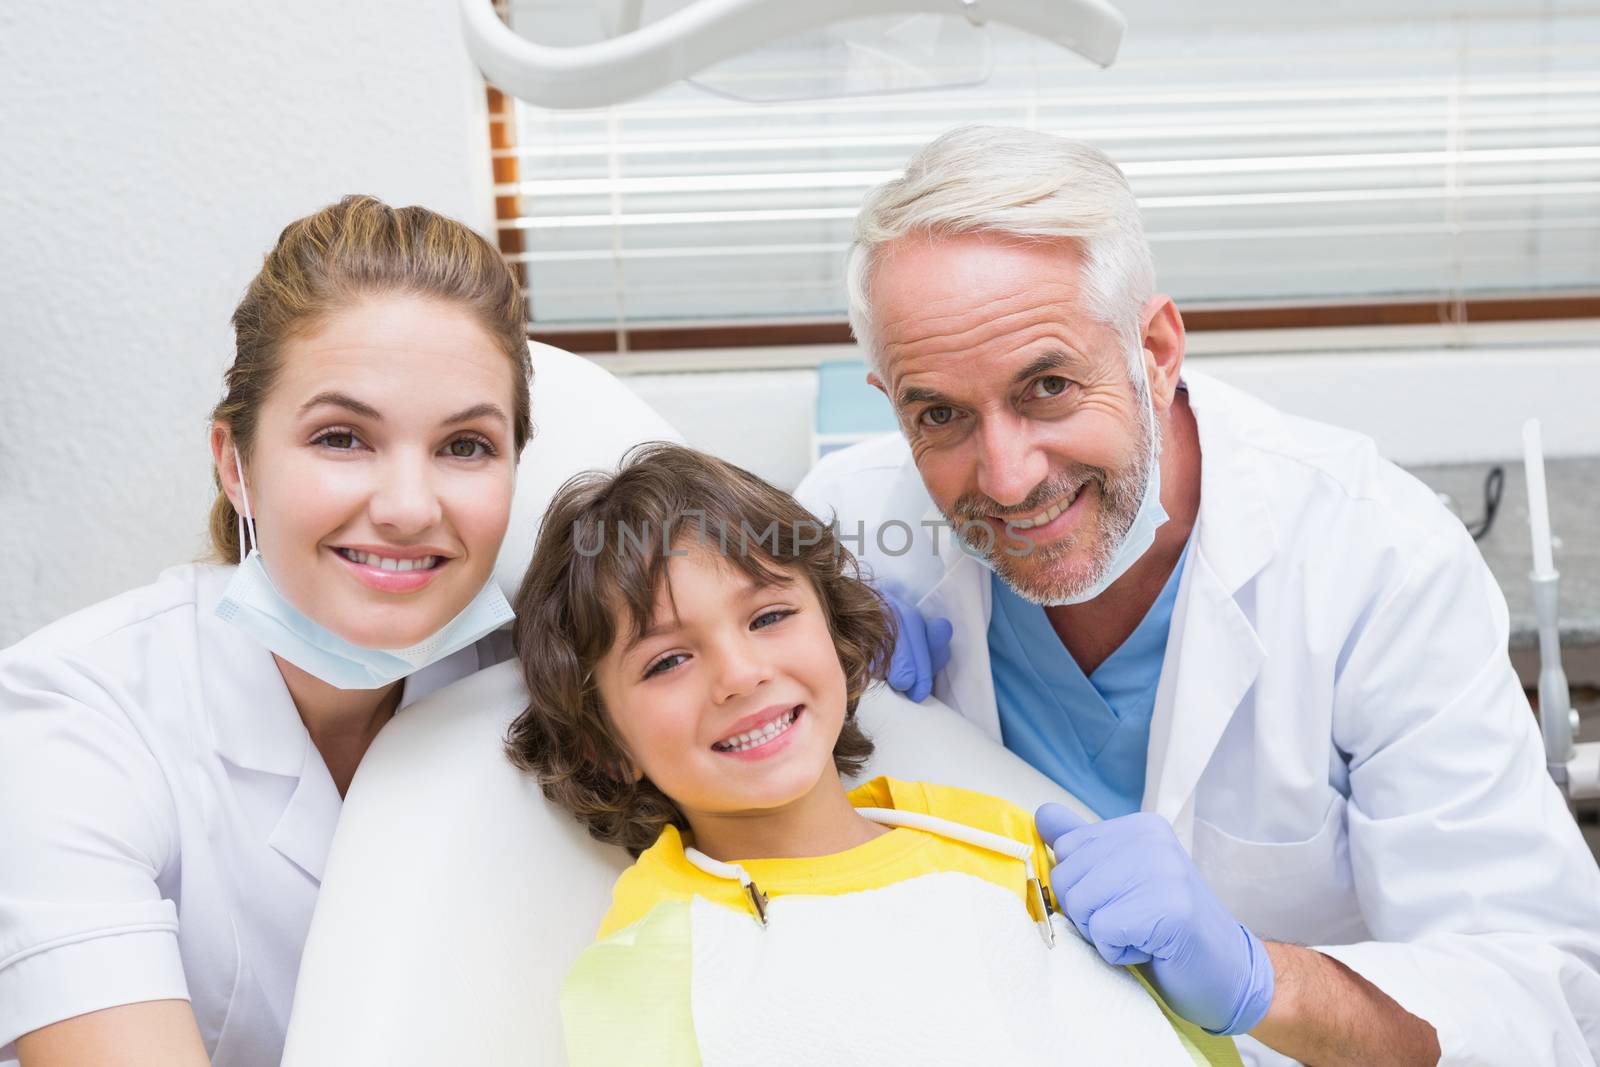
{"x":455,"y":896}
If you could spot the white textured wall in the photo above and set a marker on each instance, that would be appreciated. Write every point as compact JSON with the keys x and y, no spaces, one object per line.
{"x":149,"y":155}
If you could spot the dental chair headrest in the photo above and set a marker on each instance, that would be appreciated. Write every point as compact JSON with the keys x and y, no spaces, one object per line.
{"x":583,"y":419}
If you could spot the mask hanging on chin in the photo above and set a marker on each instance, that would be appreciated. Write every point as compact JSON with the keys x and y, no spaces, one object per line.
{"x":1135,"y":543}
{"x":253,"y":604}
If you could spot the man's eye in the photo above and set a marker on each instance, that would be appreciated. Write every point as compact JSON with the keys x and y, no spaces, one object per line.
{"x":665,"y":663}
{"x":939,"y":416}
{"x":1050,"y":385}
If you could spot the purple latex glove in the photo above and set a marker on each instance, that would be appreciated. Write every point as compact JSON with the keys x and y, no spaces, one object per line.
{"x":921,"y":649}
{"x":1134,"y":893}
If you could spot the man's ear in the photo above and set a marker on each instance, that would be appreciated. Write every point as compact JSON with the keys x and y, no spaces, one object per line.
{"x":1162,"y":338}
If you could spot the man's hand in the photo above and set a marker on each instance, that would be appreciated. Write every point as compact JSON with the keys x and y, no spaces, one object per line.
{"x":1133,"y":893}
{"x":921,"y":649}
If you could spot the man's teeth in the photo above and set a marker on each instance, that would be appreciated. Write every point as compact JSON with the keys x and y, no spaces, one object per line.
{"x":1049,"y":514}
{"x":742,"y":742}
{"x":389,"y":563}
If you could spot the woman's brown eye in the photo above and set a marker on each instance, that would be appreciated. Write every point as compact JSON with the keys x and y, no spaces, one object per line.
{"x":464,"y":448}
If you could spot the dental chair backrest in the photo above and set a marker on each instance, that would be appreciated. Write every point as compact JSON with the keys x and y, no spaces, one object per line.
{"x":455,"y":896}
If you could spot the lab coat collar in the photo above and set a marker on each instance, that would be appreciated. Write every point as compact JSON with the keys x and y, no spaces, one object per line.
{"x":254,"y":724}
{"x":1217,"y":653}
{"x":255,"y":728}
{"x":1234,"y":530}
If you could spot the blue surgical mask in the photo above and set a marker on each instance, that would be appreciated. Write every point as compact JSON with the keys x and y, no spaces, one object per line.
{"x":252,"y":603}
{"x":1135,"y":543}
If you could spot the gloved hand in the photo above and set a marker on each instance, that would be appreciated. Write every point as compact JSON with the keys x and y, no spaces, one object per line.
{"x":1134,"y":893}
{"x":921,"y":649}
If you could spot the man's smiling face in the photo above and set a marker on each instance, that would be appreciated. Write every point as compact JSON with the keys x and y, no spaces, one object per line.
{"x":1017,"y":402}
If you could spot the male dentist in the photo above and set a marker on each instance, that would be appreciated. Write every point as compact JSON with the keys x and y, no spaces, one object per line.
{"x":1269,"y":660}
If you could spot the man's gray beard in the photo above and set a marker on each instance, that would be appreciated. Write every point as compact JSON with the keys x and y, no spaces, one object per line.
{"x":1032,"y":577}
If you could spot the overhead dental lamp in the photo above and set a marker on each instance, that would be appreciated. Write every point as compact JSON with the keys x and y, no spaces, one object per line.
{"x":640,"y":58}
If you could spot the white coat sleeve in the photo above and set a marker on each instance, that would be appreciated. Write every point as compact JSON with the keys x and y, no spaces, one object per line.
{"x":86,"y":828}
{"x":1482,"y":899}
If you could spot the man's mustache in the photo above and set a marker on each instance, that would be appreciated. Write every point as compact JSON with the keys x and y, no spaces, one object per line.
{"x":979,"y":505}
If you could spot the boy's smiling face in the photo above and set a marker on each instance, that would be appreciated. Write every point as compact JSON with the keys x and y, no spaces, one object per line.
{"x":733,"y":698}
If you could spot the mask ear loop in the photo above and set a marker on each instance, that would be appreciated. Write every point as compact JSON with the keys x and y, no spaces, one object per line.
{"x":248,"y":513}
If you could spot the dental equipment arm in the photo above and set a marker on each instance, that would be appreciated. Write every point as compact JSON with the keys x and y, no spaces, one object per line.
{"x":1575,"y":768}
{"x":701,"y":34}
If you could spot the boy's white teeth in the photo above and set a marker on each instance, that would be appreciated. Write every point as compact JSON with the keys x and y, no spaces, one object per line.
{"x":1049,"y":514}
{"x":389,"y":563}
{"x":742,"y":742}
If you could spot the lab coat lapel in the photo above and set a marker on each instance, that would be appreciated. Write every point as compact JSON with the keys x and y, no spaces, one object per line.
{"x":1214,"y":653}
{"x":304,"y":832}
{"x":257,"y":731}
{"x":1205,"y":675}
{"x":963,"y":596}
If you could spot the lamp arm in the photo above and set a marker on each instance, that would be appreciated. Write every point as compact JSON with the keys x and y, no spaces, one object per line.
{"x":693,"y":38}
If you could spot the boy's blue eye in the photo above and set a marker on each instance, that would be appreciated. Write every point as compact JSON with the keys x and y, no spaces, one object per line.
{"x":665,"y":663}
{"x":768,"y":618}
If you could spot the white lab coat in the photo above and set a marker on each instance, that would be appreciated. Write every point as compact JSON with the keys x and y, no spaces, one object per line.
{"x":1338,"y":736}
{"x":164,"y":817}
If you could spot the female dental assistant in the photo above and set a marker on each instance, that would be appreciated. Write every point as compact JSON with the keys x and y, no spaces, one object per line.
{"x":173,"y":760}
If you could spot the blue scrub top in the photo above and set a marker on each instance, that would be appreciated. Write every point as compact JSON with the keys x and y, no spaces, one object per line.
{"x":1087,"y":733}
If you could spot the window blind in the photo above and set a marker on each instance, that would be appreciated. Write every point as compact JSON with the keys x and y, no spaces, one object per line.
{"x":1399,"y":150}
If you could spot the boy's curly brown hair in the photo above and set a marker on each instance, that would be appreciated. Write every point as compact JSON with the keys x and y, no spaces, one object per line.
{"x":601,"y":556}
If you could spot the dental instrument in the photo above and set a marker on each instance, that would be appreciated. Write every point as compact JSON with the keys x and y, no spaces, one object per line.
{"x":644,"y":58}
{"x":1575,"y":767}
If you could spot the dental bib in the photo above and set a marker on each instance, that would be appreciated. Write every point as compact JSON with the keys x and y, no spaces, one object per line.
{"x":921,"y":946}
{"x":966,"y":979}
{"x":253,"y":604}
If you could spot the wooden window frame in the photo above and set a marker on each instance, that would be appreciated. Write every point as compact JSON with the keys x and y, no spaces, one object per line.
{"x":647,"y":337}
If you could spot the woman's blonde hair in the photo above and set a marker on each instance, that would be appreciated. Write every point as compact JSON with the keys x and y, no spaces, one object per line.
{"x":357,"y":248}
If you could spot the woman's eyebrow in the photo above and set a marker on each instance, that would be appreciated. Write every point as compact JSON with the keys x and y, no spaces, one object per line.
{"x":343,"y":400}
{"x":367,"y":411}
{"x":477,"y":411}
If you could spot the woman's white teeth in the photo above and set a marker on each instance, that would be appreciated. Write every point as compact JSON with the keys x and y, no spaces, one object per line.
{"x":389,"y":563}
{"x":1049,"y":514}
{"x":741,"y":742}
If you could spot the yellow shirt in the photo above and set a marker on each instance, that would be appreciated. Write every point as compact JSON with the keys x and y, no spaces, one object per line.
{"x":662,"y":872}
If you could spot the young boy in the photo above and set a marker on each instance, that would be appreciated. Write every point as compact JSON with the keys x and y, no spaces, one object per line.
{"x":695,"y":644}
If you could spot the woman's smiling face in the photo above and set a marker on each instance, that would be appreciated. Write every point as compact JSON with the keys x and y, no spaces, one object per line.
{"x":732,"y":699}
{"x":382,"y":468}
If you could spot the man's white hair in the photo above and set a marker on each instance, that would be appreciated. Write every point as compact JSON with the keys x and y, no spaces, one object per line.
{"x":1004,"y":180}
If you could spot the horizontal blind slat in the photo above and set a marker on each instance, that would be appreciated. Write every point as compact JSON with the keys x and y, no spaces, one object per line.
{"x":1333,"y":158}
